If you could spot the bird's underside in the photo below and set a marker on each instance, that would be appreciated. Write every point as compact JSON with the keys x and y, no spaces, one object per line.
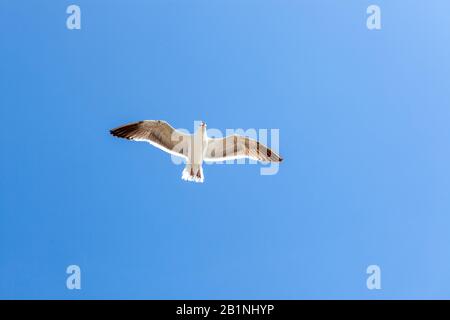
{"x":197,"y":147}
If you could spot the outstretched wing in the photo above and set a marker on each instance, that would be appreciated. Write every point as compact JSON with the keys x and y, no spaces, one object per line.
{"x":158,"y":133}
{"x":235,"y":147}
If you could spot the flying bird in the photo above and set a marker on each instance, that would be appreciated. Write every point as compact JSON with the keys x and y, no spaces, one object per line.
{"x":195,"y":148}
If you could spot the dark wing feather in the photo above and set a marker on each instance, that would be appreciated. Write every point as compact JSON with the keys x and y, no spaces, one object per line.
{"x":158,"y":133}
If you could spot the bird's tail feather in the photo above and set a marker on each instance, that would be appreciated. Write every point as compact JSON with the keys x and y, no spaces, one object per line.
{"x":193,"y":172}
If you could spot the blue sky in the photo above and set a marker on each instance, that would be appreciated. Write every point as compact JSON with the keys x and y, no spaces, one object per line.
{"x":364,"y":130}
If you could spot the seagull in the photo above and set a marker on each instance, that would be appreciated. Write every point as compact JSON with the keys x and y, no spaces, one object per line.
{"x":195,"y":148}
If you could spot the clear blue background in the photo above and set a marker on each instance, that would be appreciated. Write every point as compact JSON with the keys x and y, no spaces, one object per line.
{"x":364,"y":122}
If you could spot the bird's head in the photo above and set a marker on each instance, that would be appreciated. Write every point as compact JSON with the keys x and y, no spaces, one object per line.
{"x":202,"y":128}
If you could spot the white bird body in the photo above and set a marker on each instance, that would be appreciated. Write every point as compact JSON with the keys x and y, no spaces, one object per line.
{"x":195,"y":148}
{"x":194,"y":170}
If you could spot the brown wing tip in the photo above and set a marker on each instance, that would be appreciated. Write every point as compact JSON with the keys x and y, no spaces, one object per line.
{"x":123,"y":131}
{"x":116,"y":133}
